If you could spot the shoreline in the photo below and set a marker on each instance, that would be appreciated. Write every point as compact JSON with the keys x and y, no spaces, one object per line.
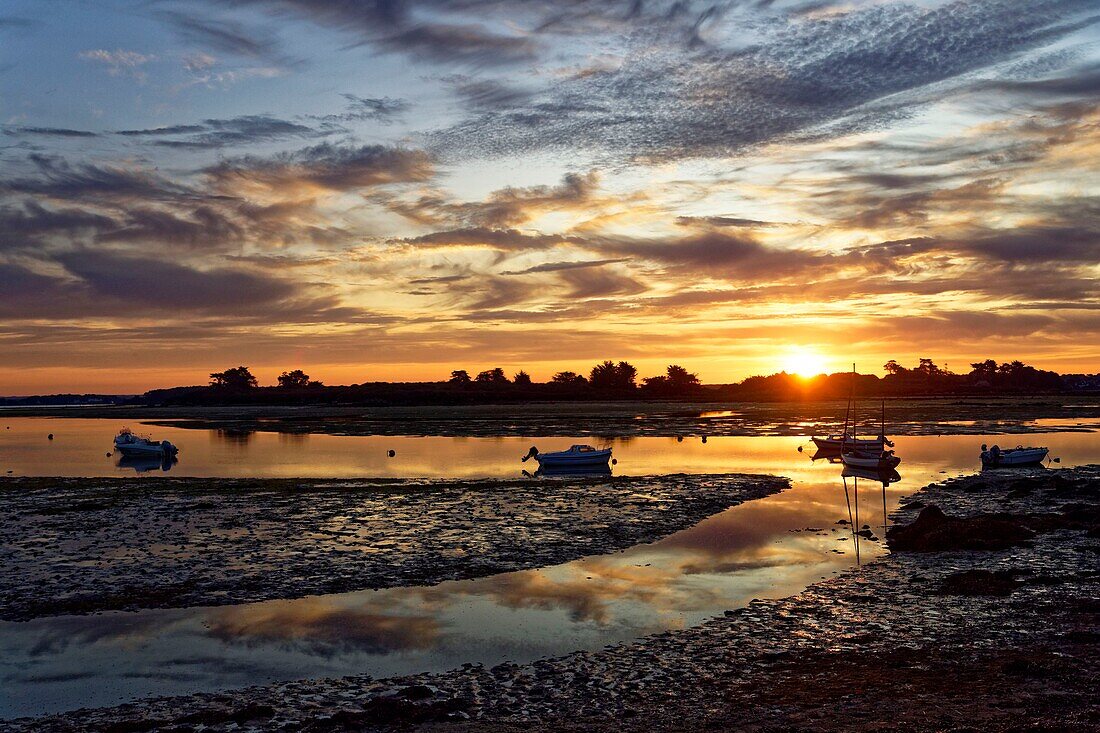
{"x":905,"y":416}
{"x":898,"y":644}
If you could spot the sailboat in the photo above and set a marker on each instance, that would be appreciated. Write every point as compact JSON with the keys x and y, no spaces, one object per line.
{"x":837,"y":444}
{"x":878,"y":459}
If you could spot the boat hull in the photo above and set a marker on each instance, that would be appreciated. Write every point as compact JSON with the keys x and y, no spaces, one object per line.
{"x":144,"y":449}
{"x":594,"y":459}
{"x":877,"y":463}
{"x":836,"y":445}
{"x":1025,"y":457}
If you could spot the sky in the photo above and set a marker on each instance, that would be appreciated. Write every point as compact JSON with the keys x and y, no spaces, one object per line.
{"x":390,"y":190}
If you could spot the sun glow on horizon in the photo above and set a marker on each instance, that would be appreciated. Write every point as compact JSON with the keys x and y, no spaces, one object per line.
{"x":804,"y":361}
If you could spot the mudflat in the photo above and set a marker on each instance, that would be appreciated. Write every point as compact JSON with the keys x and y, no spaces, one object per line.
{"x":921,"y":639}
{"x":82,"y":545}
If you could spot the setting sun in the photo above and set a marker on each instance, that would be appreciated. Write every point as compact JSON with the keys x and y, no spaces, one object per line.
{"x":804,"y":362}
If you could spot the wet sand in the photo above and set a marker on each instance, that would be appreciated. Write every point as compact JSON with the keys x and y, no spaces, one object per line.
{"x":905,"y":416}
{"x":82,"y":545}
{"x":914,"y":641}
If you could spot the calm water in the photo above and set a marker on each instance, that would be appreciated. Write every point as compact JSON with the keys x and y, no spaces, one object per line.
{"x":772,"y":547}
{"x":80,"y":446}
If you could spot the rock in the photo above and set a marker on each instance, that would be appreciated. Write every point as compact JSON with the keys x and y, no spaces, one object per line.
{"x":416,"y":692}
{"x":979,"y":583}
{"x":934,"y":531}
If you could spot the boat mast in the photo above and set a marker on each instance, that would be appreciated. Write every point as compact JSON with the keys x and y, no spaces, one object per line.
{"x":851,"y":392}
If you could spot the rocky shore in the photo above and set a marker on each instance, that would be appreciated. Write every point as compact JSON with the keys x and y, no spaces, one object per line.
{"x":942,"y":634}
{"x":82,"y":545}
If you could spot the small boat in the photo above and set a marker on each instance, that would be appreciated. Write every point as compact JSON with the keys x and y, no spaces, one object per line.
{"x":1018,"y":456}
{"x":129,"y":444}
{"x":845,"y":441}
{"x":842,"y":442}
{"x":878,"y":460}
{"x":578,"y":456}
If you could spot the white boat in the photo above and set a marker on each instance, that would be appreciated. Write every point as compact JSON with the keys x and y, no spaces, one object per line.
{"x":129,"y":444}
{"x":1018,"y":456}
{"x":878,"y":460}
{"x":578,"y":456}
{"x":838,"y":443}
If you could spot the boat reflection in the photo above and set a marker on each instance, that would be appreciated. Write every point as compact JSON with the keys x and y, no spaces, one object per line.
{"x":880,"y":476}
{"x":234,"y":436}
{"x":143,"y":464}
{"x":569,"y":471}
{"x":885,"y":477}
{"x":826,"y":454}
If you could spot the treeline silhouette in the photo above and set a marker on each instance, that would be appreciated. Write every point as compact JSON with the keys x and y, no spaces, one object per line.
{"x":611,"y":380}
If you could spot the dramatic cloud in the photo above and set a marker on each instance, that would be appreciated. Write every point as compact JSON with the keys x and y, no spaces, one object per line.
{"x":413,"y":182}
{"x":334,"y":167}
{"x":714,"y":101}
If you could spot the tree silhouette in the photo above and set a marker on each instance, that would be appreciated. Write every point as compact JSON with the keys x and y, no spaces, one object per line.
{"x":568,"y":378}
{"x":492,"y":376}
{"x":295,"y":379}
{"x":608,"y":375}
{"x":237,"y":378}
{"x":892,"y":367}
{"x":459,"y":376}
{"x":681,"y":379}
{"x":522,"y":378}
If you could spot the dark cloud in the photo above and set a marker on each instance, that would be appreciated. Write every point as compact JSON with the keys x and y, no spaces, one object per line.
{"x":49,"y":132}
{"x":335,"y":167}
{"x":487,"y":95}
{"x":236,"y":131}
{"x":164,"y":284}
{"x":599,"y":282}
{"x":226,"y":36}
{"x":720,"y":255}
{"x":464,"y":44}
{"x":560,"y":266}
{"x":392,"y":25}
{"x":168,"y":130}
{"x":383,"y":109}
{"x":29,"y":225}
{"x":1022,"y":246}
{"x":1082,"y":82}
{"x":722,"y":221}
{"x":202,"y":228}
{"x":505,"y":207}
{"x":502,"y":239}
{"x":58,"y":178}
